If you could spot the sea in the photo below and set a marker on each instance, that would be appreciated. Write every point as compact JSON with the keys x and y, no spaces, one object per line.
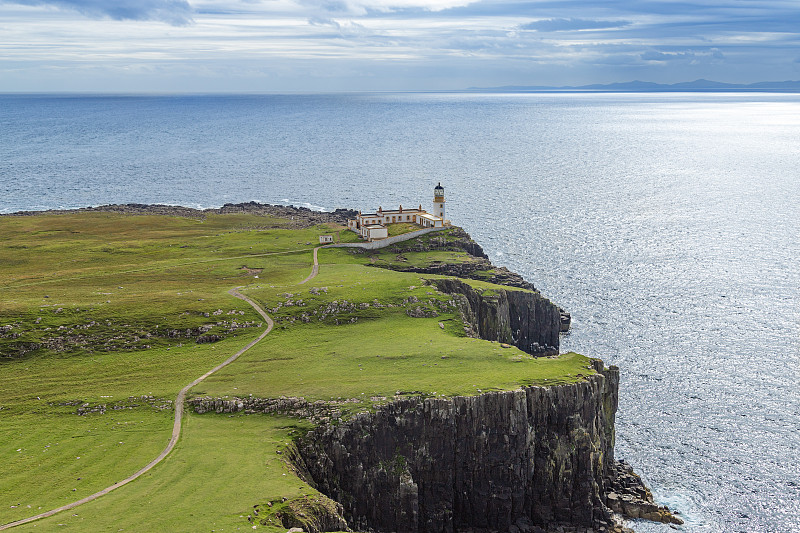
{"x":667,"y":224}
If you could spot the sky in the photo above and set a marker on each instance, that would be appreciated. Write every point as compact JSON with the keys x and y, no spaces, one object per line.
{"x":374,"y":45}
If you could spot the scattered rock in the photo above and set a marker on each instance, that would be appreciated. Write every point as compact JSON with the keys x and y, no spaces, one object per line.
{"x":630,"y":497}
{"x":301,"y":217}
{"x":420,"y":312}
{"x":207,"y":339}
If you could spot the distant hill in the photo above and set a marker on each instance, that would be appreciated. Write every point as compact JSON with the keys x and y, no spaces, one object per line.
{"x":647,"y":86}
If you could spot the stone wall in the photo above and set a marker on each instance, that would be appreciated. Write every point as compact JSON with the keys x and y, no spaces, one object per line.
{"x":383,"y":243}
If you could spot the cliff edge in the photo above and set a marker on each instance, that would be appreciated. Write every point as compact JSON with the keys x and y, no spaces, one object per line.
{"x":400,"y":395}
{"x":525,"y":319}
{"x":524,"y":460}
{"x":535,"y":459}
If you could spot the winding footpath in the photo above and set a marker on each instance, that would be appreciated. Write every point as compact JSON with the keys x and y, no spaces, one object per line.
{"x":314,"y":269}
{"x":176,"y":427}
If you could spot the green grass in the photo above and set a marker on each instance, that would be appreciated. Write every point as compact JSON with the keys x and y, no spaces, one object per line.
{"x":408,"y":260}
{"x":382,"y":358}
{"x":401,"y":228}
{"x":30,"y":384}
{"x":181,"y":268}
{"x":98,"y":281}
{"x":489,"y":288}
{"x":220,"y":469}
{"x":100,"y":307}
{"x":383,"y":351}
{"x":424,"y":252}
{"x":53,"y":457}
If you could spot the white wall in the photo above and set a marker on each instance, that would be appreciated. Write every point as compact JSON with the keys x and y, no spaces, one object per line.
{"x":384,"y":242}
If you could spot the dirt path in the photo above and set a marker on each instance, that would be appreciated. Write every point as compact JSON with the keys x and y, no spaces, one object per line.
{"x":176,"y":428}
{"x":314,"y":269}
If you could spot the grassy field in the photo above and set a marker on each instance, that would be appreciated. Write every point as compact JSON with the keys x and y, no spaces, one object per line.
{"x":221,"y":469}
{"x":376,"y":351}
{"x":110,"y":315}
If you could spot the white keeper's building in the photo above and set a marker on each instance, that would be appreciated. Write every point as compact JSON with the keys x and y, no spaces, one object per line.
{"x":372,"y":226}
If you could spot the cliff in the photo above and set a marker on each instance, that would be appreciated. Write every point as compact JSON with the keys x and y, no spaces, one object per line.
{"x":525,"y":319}
{"x":531,"y":460}
{"x":508,"y":461}
{"x":480,"y":268}
{"x":534,"y":459}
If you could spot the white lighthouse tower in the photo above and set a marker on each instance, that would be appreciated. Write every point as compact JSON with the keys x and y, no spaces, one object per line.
{"x":438,"y":201}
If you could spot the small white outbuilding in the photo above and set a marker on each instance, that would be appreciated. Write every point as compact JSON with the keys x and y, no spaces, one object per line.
{"x":376,"y":232}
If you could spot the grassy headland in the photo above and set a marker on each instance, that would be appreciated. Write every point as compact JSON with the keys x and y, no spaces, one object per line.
{"x":105,"y":316}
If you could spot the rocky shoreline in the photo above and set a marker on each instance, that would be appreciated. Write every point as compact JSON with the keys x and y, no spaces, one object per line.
{"x":302,"y":216}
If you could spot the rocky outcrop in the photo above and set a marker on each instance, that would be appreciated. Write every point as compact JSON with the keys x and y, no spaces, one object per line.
{"x":512,"y":461}
{"x":311,"y":514}
{"x":525,"y":319}
{"x":301,"y":216}
{"x":566,"y":320}
{"x":455,"y":240}
{"x":629,"y":497}
{"x":318,"y":412}
{"x":478,"y":269}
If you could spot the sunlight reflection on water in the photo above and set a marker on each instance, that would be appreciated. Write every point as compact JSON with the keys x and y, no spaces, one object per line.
{"x":666,"y":224}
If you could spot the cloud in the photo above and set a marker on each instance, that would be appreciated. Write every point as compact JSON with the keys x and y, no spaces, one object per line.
{"x":400,"y":43}
{"x":550,"y":25}
{"x":382,"y":8}
{"x":174,"y":12}
{"x":346,"y":28}
{"x":319,"y":21}
{"x":651,"y":55}
{"x":688,"y":55}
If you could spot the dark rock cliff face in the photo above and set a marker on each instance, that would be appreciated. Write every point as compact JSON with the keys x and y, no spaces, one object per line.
{"x":508,"y":461}
{"x":524,"y":318}
{"x":527,"y":320}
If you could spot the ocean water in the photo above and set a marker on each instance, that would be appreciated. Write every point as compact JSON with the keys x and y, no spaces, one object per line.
{"x":667,"y":224}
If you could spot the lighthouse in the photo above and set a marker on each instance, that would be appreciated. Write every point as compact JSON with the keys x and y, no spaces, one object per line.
{"x":438,"y":201}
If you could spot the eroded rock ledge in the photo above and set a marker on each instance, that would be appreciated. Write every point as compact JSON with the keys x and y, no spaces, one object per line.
{"x":527,"y":320}
{"x":526,"y":460}
{"x":480,"y":268}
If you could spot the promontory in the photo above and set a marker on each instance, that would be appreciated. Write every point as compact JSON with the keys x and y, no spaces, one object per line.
{"x":413,"y":387}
